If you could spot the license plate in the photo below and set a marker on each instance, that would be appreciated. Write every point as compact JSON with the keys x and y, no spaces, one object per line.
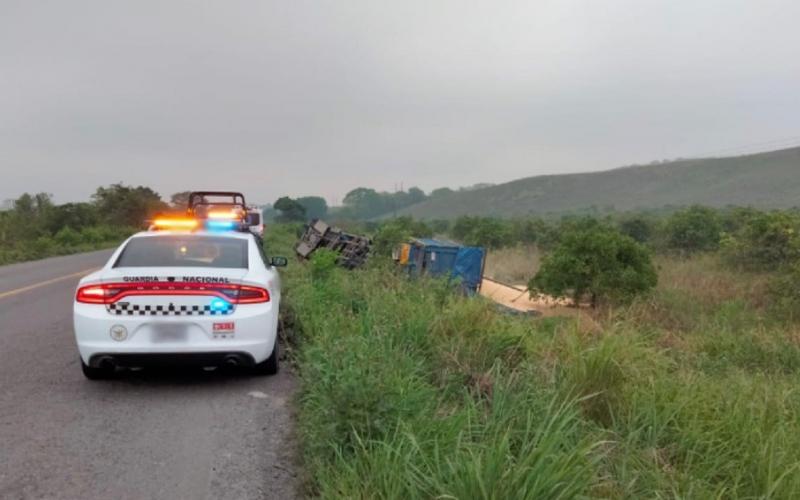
{"x":224,"y":328}
{"x":170,"y":333}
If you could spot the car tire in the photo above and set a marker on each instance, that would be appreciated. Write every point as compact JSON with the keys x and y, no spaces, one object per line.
{"x":93,"y":373}
{"x":270,"y":365}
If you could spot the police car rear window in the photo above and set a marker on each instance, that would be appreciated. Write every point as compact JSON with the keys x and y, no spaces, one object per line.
{"x":184,"y":251}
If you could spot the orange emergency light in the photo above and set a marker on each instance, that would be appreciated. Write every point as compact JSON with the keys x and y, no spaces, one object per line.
{"x":175,"y":223}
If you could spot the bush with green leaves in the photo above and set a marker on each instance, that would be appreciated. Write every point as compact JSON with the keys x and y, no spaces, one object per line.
{"x":694,"y":229}
{"x":637,"y":227}
{"x":598,"y":262}
{"x":396,"y":231}
{"x":68,"y":237}
{"x":766,"y":241}
{"x":323,"y":262}
{"x":784,"y":292}
{"x":486,"y":232}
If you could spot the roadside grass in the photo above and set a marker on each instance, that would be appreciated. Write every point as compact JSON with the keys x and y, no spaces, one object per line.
{"x":411,"y":391}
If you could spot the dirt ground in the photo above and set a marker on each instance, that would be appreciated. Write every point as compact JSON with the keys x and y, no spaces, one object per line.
{"x":517,"y":297}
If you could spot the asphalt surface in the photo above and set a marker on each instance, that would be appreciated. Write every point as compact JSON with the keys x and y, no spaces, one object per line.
{"x":184,"y":434}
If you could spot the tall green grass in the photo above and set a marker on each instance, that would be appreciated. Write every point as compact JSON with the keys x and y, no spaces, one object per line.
{"x":412,"y":391}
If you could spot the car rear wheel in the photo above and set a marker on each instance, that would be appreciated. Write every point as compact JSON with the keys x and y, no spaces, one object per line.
{"x":270,"y":365}
{"x":93,"y":373}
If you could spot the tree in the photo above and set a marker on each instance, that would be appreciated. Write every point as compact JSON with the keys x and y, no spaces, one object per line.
{"x":530,"y":230}
{"x":440,"y":192}
{"x":72,"y":215}
{"x":364,"y":202}
{"x":25,"y":205}
{"x":489,"y":232}
{"x":121,"y":205}
{"x":439,"y":226}
{"x":290,"y":210}
{"x":463,"y":226}
{"x":315,"y":206}
{"x":415,"y":195}
{"x":694,"y":229}
{"x":482,"y":231}
{"x":596,"y":261}
{"x":180,"y":199}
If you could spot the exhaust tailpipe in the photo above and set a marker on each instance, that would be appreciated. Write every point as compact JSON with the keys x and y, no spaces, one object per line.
{"x":107,"y":363}
{"x":232,"y":361}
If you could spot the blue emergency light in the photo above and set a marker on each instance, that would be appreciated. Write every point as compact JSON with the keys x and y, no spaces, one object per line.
{"x":221,"y":225}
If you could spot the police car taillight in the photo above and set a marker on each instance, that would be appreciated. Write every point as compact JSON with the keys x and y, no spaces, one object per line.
{"x":252,"y":295}
{"x":97,"y":294}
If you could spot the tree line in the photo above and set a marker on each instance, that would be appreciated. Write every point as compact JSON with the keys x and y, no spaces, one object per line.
{"x":608,"y":259}
{"x":34,"y":227}
{"x":359,"y":204}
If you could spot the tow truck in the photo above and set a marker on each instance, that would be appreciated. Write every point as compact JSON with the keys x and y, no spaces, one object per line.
{"x":195,"y":289}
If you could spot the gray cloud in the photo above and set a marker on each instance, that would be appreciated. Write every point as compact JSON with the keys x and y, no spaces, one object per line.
{"x":319,"y":97}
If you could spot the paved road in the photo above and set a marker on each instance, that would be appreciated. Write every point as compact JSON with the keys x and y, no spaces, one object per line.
{"x":177,"y":435}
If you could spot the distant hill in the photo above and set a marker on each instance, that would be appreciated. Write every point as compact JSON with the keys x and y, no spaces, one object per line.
{"x":765,"y":180}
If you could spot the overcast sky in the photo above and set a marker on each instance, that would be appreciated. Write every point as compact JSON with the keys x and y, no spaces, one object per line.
{"x":298,"y":98}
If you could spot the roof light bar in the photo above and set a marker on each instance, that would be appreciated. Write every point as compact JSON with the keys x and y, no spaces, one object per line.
{"x":190,"y":224}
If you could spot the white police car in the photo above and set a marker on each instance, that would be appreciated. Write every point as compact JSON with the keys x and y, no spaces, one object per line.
{"x":187,"y":291}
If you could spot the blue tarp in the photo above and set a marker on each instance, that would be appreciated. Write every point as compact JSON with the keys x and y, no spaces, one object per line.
{"x":469,"y":267}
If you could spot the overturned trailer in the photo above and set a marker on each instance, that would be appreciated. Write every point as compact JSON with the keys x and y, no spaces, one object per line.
{"x":353,"y":249}
{"x":443,"y":258}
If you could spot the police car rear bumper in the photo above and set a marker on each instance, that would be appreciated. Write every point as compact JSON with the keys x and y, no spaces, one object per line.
{"x":250,"y":333}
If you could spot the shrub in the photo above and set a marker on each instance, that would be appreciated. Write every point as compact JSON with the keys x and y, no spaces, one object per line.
{"x":784,"y":292}
{"x":40,"y":248}
{"x":91,"y":235}
{"x":323,"y":262}
{"x":68,"y":237}
{"x":694,"y":229}
{"x":766,"y":241}
{"x":396,"y":231}
{"x":599,"y":262}
{"x":637,"y":228}
{"x":483,"y":231}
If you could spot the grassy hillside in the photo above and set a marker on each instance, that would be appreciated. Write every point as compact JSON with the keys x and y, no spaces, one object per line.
{"x":764,"y":180}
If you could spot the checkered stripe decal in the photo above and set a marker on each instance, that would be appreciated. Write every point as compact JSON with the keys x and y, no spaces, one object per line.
{"x":126,"y":308}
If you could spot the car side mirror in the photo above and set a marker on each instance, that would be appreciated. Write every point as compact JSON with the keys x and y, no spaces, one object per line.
{"x":278,"y":261}
{"x":253,"y":219}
